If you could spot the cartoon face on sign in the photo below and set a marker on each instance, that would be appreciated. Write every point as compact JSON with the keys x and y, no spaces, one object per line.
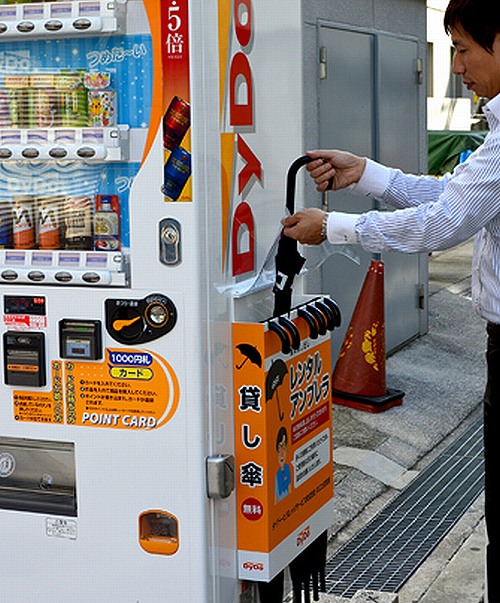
{"x":283,"y":481}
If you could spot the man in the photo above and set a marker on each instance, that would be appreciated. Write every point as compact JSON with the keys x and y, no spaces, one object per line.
{"x":436,"y":214}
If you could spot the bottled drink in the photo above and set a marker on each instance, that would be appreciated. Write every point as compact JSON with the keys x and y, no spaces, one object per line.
{"x":106,"y":224}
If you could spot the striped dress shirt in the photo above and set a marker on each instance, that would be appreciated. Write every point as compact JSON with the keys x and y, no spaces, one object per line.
{"x":437,"y":213}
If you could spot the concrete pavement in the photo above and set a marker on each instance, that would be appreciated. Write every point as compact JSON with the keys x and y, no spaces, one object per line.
{"x":443,"y":376}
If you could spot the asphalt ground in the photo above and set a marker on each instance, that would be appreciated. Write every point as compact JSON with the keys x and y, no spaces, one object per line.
{"x":442,"y":375}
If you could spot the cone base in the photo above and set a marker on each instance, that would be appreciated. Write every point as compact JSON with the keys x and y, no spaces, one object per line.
{"x":373,"y":404}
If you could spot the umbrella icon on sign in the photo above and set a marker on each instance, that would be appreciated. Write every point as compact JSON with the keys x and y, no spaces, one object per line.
{"x":251,"y":353}
{"x":274,"y":379}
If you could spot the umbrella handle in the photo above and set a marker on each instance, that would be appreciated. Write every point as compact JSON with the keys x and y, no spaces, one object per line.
{"x":282,"y":334}
{"x":291,"y":181}
{"x":311,"y":322}
{"x":320,"y":318}
{"x":292,"y":330}
{"x":328,"y":313}
{"x":335,"y":309}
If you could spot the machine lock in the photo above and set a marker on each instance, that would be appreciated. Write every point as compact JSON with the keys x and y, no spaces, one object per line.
{"x":170,"y":242}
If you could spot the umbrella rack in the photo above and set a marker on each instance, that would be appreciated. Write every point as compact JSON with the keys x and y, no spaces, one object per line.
{"x":282,"y":370}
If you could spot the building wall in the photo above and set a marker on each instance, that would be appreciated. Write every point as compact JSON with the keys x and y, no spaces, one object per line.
{"x":444,"y":111}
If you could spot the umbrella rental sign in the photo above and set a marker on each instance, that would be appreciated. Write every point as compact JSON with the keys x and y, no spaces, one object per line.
{"x":283,"y":447}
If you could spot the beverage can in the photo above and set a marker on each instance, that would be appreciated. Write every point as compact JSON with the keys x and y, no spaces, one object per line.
{"x":107,"y":223}
{"x":176,"y":122}
{"x":176,"y":173}
{"x":23,"y":223}
{"x":77,"y":218}
{"x":48,"y":222}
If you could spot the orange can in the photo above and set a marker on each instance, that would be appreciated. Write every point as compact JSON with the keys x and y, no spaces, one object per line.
{"x":23,"y":223}
{"x":48,"y":222}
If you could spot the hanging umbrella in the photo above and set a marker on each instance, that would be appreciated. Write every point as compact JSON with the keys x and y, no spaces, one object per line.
{"x":251,"y":353}
{"x":274,"y":379}
{"x":306,"y":570}
{"x":289,"y":262}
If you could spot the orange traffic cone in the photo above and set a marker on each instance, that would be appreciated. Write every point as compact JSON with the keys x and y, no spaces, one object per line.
{"x":359,"y":376}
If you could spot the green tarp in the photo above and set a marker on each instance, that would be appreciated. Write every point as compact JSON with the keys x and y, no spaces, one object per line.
{"x":446,"y":147}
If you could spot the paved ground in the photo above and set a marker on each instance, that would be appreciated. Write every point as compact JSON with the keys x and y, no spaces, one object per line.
{"x":443,"y":377}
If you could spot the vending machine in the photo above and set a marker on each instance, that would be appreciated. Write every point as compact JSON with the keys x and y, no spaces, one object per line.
{"x":165,"y":435}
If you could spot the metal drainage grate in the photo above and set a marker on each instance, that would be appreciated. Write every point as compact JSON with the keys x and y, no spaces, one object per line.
{"x":389,"y":549}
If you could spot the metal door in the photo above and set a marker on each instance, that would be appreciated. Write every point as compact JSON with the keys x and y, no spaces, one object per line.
{"x":399,"y":125}
{"x":368,"y":97}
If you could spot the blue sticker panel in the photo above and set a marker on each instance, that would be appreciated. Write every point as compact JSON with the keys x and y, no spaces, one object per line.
{"x":127,"y":58}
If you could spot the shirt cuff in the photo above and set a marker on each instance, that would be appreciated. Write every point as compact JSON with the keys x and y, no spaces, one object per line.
{"x":340,"y":228}
{"x":373,"y":182}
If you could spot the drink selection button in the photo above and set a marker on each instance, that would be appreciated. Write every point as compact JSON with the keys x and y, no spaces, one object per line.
{"x":63,"y":276}
{"x":25,"y":26}
{"x":91,"y":277}
{"x":36,"y":276}
{"x":9,"y":275}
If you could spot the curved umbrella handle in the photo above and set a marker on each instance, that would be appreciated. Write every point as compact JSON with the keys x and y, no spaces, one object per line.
{"x":293,"y":331}
{"x":291,"y":180}
{"x":335,"y":309}
{"x":311,"y":322}
{"x":320,"y":318}
{"x":282,"y":333}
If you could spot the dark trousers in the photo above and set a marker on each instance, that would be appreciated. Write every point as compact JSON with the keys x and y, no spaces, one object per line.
{"x":492,"y":463}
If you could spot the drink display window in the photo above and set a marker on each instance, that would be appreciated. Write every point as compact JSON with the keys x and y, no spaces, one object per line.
{"x":69,"y":109}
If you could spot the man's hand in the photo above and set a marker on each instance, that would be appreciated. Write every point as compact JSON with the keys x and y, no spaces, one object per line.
{"x":305,"y":226}
{"x":345,"y":169}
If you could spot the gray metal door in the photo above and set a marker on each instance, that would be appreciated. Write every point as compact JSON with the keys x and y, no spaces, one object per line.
{"x":368,"y":105}
{"x":398,"y":124}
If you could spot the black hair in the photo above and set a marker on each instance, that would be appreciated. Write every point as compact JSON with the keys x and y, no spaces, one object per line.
{"x":480,"y":19}
{"x":282,"y":433}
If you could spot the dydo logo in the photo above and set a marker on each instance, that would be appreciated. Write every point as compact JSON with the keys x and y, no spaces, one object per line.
{"x":242,"y":120}
{"x":250,"y":566}
{"x":15,"y":61}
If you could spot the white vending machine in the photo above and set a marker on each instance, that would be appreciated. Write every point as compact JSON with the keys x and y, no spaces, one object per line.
{"x":165,"y":435}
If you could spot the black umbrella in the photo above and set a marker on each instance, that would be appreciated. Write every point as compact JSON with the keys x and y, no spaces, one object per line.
{"x":274,"y":379}
{"x":289,"y":262}
{"x":307,"y":569}
{"x":251,"y":353}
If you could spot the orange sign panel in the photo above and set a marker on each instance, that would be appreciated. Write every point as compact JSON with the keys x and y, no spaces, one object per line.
{"x":283,"y":428}
{"x":132,"y":389}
